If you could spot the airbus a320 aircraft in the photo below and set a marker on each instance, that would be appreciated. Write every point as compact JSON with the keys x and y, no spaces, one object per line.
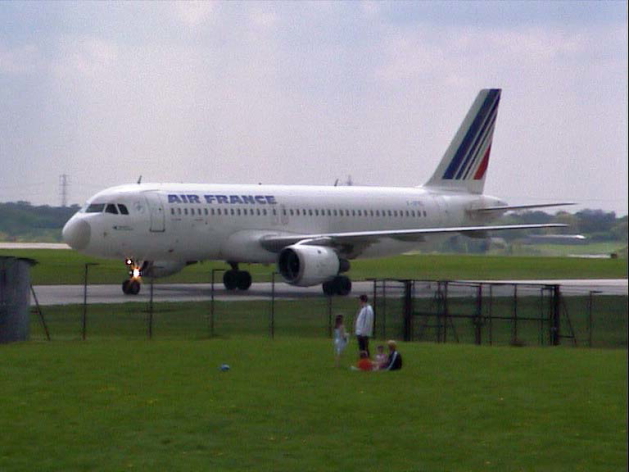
{"x":310,"y":232}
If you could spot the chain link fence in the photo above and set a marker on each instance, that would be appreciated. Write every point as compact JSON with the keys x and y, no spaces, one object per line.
{"x":410,"y":310}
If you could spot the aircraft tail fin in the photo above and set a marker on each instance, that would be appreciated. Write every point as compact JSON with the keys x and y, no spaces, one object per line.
{"x":464,"y":165}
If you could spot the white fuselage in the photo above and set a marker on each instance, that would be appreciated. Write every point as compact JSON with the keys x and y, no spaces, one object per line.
{"x":193,"y":222}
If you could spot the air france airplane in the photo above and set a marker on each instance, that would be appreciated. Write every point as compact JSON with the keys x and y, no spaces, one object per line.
{"x":310,"y":232}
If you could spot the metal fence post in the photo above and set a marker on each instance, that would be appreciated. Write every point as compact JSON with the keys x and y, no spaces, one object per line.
{"x":491,"y":315}
{"x":590,"y":307}
{"x":374,"y":299}
{"x":384,"y":307}
{"x":555,"y":316}
{"x":150,"y":327}
{"x":39,"y":312}
{"x":445,"y":314}
{"x":329,"y":315}
{"x":84,"y":321}
{"x":272,"y":321}
{"x":478,"y":319}
{"x":408,"y":310}
{"x":514,"y":336}
{"x":212,"y":301}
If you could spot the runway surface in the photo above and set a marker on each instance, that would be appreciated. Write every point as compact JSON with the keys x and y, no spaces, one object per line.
{"x":74,"y":294}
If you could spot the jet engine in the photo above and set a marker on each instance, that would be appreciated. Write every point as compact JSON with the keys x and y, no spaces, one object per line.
{"x":161,"y":268}
{"x":305,"y":266}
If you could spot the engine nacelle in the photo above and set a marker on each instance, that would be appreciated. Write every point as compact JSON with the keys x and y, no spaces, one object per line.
{"x":305,"y":266}
{"x":161,"y":268}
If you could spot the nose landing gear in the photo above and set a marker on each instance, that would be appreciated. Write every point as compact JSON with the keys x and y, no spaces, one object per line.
{"x":132,"y":285}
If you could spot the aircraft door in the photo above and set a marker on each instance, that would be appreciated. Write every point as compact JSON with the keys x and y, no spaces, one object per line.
{"x":156,"y":211}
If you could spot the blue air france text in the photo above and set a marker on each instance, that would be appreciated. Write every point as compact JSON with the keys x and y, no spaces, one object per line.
{"x":223,"y":199}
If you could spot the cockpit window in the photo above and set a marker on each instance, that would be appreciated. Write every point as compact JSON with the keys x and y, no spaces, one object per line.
{"x":95,"y":208}
{"x":123,"y":209}
{"x":111,"y":208}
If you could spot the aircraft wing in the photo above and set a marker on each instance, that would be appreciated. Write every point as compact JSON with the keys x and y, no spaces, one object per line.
{"x":276,"y":243}
{"x":506,"y":208}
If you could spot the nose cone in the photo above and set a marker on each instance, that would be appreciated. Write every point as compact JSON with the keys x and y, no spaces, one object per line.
{"x":76,"y":234}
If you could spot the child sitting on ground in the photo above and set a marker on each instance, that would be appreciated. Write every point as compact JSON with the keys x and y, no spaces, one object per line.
{"x":364,"y":363}
{"x":381,"y":358}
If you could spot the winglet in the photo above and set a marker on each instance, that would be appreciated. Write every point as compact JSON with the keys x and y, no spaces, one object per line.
{"x":464,"y":165}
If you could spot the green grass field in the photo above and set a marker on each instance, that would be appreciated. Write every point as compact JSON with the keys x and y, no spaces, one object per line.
{"x":68,"y":267}
{"x":120,"y":405}
{"x":122,"y":402}
{"x":565,"y":250}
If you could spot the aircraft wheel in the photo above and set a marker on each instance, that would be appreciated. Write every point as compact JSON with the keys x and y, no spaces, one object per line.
{"x":243,"y":280}
{"x":339,"y":285}
{"x":230,"y":280}
{"x":343,"y":285}
{"x":135,"y":287}
{"x":131,"y":287}
{"x":328,"y":288}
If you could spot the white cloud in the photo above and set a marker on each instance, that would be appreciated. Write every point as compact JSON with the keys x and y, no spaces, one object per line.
{"x":429,"y":53}
{"x":18,"y":60}
{"x":195,"y":13}
{"x":371,"y":9}
{"x":85,"y":56}
{"x":262,"y":18}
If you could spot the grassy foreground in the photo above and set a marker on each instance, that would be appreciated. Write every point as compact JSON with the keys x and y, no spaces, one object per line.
{"x":111,"y":405}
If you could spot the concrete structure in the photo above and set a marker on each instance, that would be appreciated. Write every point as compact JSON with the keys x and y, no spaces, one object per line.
{"x":15,"y":290}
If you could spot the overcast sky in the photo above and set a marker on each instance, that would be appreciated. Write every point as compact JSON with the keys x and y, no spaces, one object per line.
{"x":311,"y":92}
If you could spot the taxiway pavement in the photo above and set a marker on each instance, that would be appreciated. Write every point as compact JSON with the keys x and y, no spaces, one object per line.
{"x":74,"y":294}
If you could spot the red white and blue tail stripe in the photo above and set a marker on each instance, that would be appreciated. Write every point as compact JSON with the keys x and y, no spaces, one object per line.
{"x":464,"y":164}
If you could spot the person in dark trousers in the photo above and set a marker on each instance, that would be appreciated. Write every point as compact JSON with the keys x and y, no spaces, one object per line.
{"x":394,"y":361}
{"x":364,"y":325}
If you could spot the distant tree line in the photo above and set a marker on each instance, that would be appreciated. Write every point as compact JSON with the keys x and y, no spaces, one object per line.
{"x":597,"y":226}
{"x":21,"y":221}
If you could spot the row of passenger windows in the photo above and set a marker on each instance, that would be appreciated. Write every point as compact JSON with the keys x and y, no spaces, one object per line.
{"x":220,"y":211}
{"x":107,"y":208}
{"x":298,"y":212}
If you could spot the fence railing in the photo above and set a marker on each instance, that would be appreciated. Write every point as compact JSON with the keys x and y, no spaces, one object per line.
{"x":411,"y":310}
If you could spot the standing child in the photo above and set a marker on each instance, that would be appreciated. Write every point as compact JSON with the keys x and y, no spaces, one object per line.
{"x":340,"y":339}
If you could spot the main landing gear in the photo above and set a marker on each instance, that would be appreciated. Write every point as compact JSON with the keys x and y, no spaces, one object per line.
{"x":339,"y":285}
{"x":236,"y":279}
